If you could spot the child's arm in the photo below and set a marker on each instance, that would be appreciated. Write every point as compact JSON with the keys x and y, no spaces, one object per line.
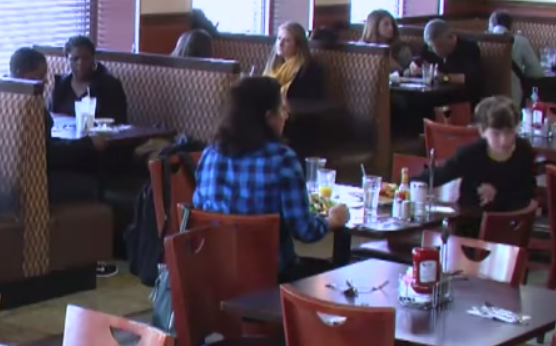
{"x":451,"y":170}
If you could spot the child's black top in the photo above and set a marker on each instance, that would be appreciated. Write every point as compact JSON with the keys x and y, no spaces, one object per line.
{"x":513,"y":179}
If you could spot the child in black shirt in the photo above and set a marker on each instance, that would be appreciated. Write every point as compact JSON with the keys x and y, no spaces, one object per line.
{"x":497,"y":171}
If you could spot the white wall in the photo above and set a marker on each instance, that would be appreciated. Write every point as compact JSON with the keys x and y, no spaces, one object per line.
{"x":173,"y":6}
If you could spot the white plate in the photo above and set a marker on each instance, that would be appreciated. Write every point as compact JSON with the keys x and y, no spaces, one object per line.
{"x":442,"y":209}
{"x":104,"y":121}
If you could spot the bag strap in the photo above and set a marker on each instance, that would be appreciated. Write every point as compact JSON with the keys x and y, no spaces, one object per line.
{"x":185,"y":162}
{"x":166,"y":193}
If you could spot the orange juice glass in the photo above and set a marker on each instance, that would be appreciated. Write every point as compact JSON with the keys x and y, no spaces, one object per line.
{"x":326,"y":179}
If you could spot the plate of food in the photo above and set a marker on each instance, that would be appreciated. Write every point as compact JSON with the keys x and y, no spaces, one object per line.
{"x":320,"y":205}
{"x":387,"y":191}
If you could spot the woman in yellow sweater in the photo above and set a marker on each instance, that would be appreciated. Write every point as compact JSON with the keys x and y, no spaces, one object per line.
{"x":291,"y":64}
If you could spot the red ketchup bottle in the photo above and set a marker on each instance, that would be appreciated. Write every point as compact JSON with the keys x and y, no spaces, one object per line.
{"x":426,"y":269}
{"x":538,"y":109}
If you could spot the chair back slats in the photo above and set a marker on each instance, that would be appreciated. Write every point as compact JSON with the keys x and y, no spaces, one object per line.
{"x":446,"y":139}
{"x":309,"y":321}
{"x":219,"y":257}
{"x":91,"y":328}
{"x":499,"y":262}
{"x":551,"y":187}
{"x":182,"y":188}
{"x":512,"y":228}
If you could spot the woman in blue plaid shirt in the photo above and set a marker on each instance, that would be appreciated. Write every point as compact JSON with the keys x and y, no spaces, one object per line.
{"x":248,"y":171}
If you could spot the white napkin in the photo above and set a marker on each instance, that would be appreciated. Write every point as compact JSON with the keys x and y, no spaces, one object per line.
{"x":498,"y":314}
{"x":395,"y":77}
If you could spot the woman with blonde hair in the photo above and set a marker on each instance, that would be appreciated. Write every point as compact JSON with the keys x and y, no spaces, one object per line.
{"x":381,"y":28}
{"x":291,"y":64}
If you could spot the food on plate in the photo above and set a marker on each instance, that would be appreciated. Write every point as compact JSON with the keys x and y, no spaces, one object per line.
{"x":320,"y":205}
{"x":388,"y":190}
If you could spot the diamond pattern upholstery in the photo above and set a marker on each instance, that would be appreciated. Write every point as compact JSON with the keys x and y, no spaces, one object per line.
{"x":540,"y":34}
{"x":163,"y":90}
{"x":23,"y":169}
{"x":249,"y":50}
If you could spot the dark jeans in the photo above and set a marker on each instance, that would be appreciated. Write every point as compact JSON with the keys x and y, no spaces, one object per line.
{"x":304,"y":267}
{"x":69,"y":187}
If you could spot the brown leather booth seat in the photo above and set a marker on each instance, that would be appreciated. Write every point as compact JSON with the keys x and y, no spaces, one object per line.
{"x":182,"y":94}
{"x":37,"y":247}
{"x":80,"y":234}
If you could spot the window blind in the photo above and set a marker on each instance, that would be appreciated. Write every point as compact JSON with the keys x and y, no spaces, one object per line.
{"x":282,"y":11}
{"x":237,"y":16}
{"x":116,"y":26}
{"x":41,"y":22}
{"x":360,"y":9}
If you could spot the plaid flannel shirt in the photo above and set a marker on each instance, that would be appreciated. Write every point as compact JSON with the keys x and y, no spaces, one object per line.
{"x":268,"y":181}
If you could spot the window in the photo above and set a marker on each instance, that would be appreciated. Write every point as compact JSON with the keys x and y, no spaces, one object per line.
{"x":235,"y":16}
{"x":41,"y":22}
{"x":360,"y":9}
{"x":117,"y":25}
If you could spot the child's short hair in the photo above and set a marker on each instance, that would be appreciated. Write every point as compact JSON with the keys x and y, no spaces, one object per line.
{"x":497,"y":112}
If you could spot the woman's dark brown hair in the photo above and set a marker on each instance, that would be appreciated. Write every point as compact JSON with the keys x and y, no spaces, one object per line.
{"x":245,"y":126}
{"x":497,"y":112}
{"x":370,"y":30}
{"x":196,"y":44}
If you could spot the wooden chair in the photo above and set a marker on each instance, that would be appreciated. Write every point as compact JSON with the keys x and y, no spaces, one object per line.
{"x":309,"y":321}
{"x":205,"y":269}
{"x":456,"y":114}
{"x":548,"y":245}
{"x":511,"y":228}
{"x":499,"y":262}
{"x":446,"y":139}
{"x":182,"y":190}
{"x":91,"y":328}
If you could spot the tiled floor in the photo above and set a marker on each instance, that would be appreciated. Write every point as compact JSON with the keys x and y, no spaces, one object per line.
{"x":121,"y":295}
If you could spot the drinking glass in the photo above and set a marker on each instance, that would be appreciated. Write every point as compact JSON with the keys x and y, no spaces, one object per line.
{"x":427,"y":71}
{"x":371,"y":192}
{"x":326,"y":179}
{"x":312,"y":164}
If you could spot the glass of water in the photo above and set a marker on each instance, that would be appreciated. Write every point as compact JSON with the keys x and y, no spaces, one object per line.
{"x":312,"y":165}
{"x":371,"y":192}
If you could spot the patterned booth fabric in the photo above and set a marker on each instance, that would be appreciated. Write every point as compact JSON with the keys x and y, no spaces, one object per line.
{"x":473,"y":24}
{"x":24,"y":223}
{"x":496,"y":55}
{"x":249,"y":50}
{"x":180,"y":93}
{"x":357,"y":81}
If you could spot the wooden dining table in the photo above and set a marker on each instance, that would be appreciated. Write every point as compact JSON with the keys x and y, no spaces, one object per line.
{"x":64,"y":128}
{"x":383,"y":227}
{"x":451,"y":325}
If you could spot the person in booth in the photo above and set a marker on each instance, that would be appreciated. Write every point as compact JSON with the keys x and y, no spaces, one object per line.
{"x":65,"y":185}
{"x":524,"y":57}
{"x":458,"y":59}
{"x":195,"y":44}
{"x":381,"y":28}
{"x":248,"y":171}
{"x":88,"y":78}
{"x":291,"y":64}
{"x":497,"y":171}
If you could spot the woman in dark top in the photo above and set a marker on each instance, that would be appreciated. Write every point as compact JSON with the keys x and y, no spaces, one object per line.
{"x":381,"y":28}
{"x":194,"y":44}
{"x":291,"y":64}
{"x":88,"y":78}
{"x":497,"y":171}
